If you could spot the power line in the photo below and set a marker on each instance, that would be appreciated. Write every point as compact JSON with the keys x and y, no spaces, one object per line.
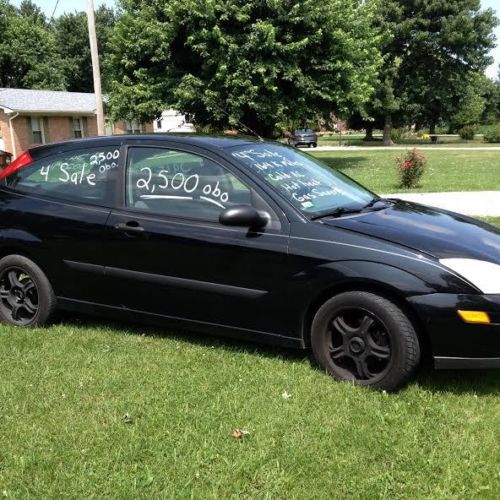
{"x":54,"y":11}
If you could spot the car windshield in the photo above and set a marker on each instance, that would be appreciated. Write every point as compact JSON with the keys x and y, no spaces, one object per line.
{"x":308,"y":184}
{"x":304,"y":131}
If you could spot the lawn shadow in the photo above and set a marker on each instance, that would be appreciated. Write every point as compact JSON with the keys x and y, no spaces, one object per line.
{"x":185,"y":335}
{"x":460,"y":382}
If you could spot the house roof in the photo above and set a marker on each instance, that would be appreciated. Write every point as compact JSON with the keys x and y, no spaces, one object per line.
{"x":46,"y":101}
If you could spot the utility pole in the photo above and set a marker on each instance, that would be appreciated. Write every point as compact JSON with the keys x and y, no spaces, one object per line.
{"x":95,"y":67}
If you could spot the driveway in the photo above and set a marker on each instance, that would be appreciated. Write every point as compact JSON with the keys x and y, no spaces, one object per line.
{"x":404,"y":148}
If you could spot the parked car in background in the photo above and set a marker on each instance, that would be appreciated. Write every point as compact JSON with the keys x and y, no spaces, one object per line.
{"x":252,"y":239}
{"x":304,"y":137}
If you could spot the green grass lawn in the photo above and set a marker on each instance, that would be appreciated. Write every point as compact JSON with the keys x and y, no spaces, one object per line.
{"x":92,"y":410}
{"x":447,"y":170}
{"x":491,"y":220}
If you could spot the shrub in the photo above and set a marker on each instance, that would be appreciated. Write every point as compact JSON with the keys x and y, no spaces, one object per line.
{"x":411,"y":167}
{"x":467,"y":132}
{"x":397,"y":134}
{"x":493,"y":135}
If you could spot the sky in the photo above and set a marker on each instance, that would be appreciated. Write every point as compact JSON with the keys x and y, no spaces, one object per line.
{"x":72,"y":5}
{"x":66,"y":5}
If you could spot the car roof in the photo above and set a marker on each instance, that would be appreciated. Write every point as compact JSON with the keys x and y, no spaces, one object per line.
{"x":210,"y":142}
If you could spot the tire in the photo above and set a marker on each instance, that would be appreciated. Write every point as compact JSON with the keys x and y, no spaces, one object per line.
{"x":26,"y":295}
{"x":366,"y":339}
{"x":315,"y":144}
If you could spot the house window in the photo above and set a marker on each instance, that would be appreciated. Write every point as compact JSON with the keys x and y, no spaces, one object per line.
{"x":77,"y":128}
{"x":133,"y":127}
{"x":37,"y":131}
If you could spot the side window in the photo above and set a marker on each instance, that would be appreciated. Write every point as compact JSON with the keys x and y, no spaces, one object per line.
{"x":87,"y":176}
{"x":183,"y":184}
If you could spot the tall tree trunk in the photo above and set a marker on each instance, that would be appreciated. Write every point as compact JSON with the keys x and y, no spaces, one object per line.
{"x":369,"y":133}
{"x":388,"y":131}
{"x":432,"y":130}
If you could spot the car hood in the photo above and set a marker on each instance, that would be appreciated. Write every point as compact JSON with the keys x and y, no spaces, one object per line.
{"x":435,"y":232}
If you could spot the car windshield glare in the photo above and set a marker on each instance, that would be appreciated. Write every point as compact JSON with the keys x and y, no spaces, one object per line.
{"x":305,"y":182}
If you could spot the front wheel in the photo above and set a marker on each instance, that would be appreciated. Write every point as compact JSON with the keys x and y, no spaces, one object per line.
{"x":26,"y":296}
{"x":366,"y":339}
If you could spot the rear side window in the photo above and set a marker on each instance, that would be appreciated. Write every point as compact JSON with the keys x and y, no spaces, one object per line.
{"x":86,"y":176}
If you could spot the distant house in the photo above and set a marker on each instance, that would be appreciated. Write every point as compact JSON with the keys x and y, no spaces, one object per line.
{"x":172,"y":121}
{"x":29,"y":117}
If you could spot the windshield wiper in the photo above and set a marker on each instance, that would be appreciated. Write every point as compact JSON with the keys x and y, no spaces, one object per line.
{"x":342,"y":210}
{"x":337,"y":212}
{"x":372,"y":202}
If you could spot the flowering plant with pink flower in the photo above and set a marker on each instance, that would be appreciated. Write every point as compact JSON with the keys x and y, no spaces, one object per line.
{"x":411,"y":166}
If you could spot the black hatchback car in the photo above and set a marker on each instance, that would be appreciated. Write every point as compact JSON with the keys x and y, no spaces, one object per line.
{"x":251,"y":239}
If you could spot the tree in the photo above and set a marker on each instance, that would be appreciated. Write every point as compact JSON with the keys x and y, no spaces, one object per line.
{"x":491,"y":94}
{"x":432,"y":50}
{"x":472,"y":104}
{"x":72,"y":38}
{"x":7,"y":12}
{"x":447,"y":43}
{"x":267,"y":63}
{"x":29,"y":10}
{"x":28,"y":51}
{"x":381,"y":111}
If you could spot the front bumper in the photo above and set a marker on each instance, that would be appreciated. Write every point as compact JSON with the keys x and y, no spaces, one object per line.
{"x":304,"y":141}
{"x":454,"y":343}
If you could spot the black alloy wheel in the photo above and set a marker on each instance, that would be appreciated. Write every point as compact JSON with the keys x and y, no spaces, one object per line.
{"x":19,"y":296}
{"x":366,"y":339}
{"x":26,"y":296}
{"x":360,"y":346}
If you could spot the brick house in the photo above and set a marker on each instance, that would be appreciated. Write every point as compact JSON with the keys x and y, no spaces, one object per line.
{"x":29,"y":117}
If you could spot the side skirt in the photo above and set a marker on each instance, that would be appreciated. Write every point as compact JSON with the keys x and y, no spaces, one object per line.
{"x":122,"y":313}
{"x":444,"y":363}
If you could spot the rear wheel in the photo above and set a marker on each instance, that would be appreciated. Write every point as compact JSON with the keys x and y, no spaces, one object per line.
{"x":26,"y":296}
{"x":367,"y":339}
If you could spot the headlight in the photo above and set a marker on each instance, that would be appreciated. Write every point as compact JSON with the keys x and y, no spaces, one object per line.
{"x":483,"y":275}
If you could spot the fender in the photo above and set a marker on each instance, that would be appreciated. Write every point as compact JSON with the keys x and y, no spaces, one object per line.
{"x":402,"y":282}
{"x":19,"y":241}
{"x":12,"y":236}
{"x":326,"y":280}
{"x":349,"y":273}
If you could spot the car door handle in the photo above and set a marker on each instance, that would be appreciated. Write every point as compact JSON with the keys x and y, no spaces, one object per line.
{"x":129,"y":227}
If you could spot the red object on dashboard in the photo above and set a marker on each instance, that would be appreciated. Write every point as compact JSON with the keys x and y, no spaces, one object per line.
{"x":20,"y":162}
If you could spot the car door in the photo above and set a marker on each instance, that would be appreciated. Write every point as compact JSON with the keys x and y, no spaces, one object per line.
{"x":58,"y":208}
{"x":170,"y":255}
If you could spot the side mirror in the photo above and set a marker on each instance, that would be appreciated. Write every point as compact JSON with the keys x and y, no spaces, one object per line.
{"x":243,"y":215}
